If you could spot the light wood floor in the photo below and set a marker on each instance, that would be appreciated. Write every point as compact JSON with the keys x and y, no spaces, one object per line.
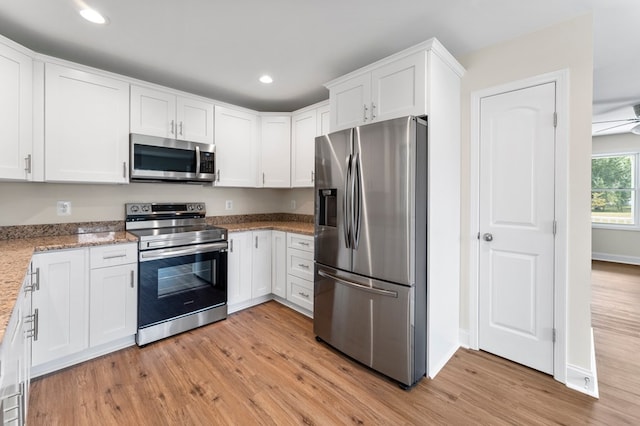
{"x":263,"y":366}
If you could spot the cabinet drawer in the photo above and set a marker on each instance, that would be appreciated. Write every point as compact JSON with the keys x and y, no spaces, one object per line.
{"x":113,"y":255}
{"x":300,"y":264}
{"x":300,"y":242}
{"x":300,"y":292}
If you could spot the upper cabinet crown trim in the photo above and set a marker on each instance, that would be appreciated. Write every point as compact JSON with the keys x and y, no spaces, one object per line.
{"x":432,"y":45}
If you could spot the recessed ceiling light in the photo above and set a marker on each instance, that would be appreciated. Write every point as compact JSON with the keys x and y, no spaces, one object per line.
{"x":94,"y":16}
{"x":266,"y":79}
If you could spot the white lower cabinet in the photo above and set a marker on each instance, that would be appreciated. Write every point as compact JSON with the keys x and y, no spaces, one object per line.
{"x":300,"y":270}
{"x":15,"y":360}
{"x":261,"y":264}
{"x":279,"y":263}
{"x":85,"y":302}
{"x":113,"y":293}
{"x":61,"y":304}
{"x":239,"y":268}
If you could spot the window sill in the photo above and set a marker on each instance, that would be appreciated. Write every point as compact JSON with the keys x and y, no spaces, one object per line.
{"x":611,"y":227}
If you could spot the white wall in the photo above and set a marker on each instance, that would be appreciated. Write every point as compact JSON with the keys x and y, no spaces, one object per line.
{"x":623,"y":245}
{"x":568,"y":45}
{"x":35,"y":203}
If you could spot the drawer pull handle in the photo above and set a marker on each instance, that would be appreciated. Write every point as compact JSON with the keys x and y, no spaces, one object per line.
{"x":302,"y":265}
{"x":305,"y":295}
{"x":114,"y":256}
{"x":302,"y":243}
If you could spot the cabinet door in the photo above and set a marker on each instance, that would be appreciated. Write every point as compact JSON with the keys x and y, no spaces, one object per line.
{"x":86,"y":127}
{"x":239,"y":268}
{"x":399,"y":88}
{"x":236,"y":137}
{"x":16,"y":86}
{"x":194,"y":120}
{"x":324,"y":120}
{"x":279,"y":263}
{"x":61,"y":305}
{"x":350,"y":103}
{"x":275,"y":146}
{"x":113,"y":303}
{"x":153,"y":112}
{"x":261,"y":264}
{"x":304,"y":127}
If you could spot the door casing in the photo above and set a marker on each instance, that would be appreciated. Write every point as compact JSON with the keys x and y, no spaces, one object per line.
{"x":561,"y":78}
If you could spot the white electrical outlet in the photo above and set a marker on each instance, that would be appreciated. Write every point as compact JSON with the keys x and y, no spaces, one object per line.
{"x":293,"y":204}
{"x":228,"y":205}
{"x":63,"y":208}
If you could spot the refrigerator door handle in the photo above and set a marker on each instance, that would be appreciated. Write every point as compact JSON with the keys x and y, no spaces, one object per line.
{"x":346,"y":207}
{"x":368,"y":289}
{"x":355,"y":201}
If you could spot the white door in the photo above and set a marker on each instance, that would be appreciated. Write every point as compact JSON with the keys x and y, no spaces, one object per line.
{"x":275,"y":147}
{"x":350,"y":102}
{"x":261,"y":264}
{"x":235,"y":136}
{"x":153,"y":112}
{"x":194,"y":120}
{"x":303,"y":138}
{"x":239,"y":268}
{"x":517,"y":156}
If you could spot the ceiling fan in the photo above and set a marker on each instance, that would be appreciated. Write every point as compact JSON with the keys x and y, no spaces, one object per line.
{"x":623,"y":122}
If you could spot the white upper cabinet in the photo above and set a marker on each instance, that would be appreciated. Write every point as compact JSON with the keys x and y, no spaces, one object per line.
{"x":236,"y":136}
{"x":275,"y":147}
{"x":163,"y":114}
{"x":306,"y":124}
{"x":16,"y":142}
{"x":86,"y":126}
{"x":392,"y":87}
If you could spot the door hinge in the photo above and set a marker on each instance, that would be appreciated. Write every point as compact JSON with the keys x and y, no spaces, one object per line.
{"x":555,"y":119}
{"x":553,"y":335}
{"x":478,"y":235}
{"x":555,"y":227}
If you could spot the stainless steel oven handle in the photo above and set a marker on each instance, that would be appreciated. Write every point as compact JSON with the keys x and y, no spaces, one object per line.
{"x":182,"y":251}
{"x":359,"y":286}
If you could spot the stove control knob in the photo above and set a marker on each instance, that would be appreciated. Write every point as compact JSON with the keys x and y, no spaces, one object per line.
{"x":134,"y":209}
{"x":199,"y":206}
{"x":145,"y":208}
{"x":190,"y":207}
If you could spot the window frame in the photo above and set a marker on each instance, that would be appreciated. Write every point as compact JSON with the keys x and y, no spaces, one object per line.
{"x":635,"y":193}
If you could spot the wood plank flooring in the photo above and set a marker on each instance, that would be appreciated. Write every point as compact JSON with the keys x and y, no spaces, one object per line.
{"x":263,"y":366}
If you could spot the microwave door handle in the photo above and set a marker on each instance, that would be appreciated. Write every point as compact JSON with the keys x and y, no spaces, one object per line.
{"x":197,"y":160}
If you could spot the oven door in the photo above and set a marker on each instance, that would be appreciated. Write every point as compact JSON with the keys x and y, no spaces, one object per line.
{"x":178,"y":281}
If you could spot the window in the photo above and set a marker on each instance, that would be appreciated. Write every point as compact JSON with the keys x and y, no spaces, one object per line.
{"x":613,"y":190}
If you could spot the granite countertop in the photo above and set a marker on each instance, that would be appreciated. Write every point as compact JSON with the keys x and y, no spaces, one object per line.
{"x":304,"y":228}
{"x":16,"y":255}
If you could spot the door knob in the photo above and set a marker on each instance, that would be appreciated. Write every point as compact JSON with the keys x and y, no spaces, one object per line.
{"x":487,"y":237}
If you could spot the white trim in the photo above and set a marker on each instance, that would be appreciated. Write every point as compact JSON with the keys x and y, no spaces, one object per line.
{"x":463,"y":338}
{"x":561,"y":79}
{"x":585,"y":381}
{"x":617,"y":258}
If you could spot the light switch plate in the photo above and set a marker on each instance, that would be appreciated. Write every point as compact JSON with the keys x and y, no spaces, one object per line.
{"x":228,"y":205}
{"x":63,"y":208}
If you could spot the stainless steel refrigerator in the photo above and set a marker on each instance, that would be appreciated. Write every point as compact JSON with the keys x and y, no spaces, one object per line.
{"x":370,"y":285}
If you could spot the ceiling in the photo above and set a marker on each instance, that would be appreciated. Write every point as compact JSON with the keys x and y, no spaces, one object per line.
{"x":218,"y":49}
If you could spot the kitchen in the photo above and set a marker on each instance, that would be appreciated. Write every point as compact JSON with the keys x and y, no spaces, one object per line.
{"x":104,"y":202}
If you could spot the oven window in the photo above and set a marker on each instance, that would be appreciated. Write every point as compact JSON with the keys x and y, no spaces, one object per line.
{"x":147,"y":157}
{"x":175,"y":279}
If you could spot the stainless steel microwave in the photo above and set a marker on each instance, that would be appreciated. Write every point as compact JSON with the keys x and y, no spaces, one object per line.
{"x":162,"y":159}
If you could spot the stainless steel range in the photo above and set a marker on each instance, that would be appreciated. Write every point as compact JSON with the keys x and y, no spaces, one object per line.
{"x":182,"y":268}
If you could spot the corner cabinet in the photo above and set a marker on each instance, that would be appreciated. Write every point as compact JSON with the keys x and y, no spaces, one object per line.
{"x":163,"y":114}
{"x":236,"y":136}
{"x":16,"y":139}
{"x":306,"y":124}
{"x":86,"y":127}
{"x":396,"y":86}
{"x":275,"y":147}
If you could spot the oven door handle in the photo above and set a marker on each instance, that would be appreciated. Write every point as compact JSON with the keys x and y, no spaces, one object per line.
{"x":181,"y":251}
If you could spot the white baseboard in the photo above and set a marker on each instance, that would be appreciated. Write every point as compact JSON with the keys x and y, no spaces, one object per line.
{"x":436,"y":366}
{"x":585,"y":381}
{"x":618,"y":258}
{"x":463,"y":337}
{"x":85,"y":355}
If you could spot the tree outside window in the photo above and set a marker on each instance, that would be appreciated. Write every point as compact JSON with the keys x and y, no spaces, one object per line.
{"x":613,"y":189}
